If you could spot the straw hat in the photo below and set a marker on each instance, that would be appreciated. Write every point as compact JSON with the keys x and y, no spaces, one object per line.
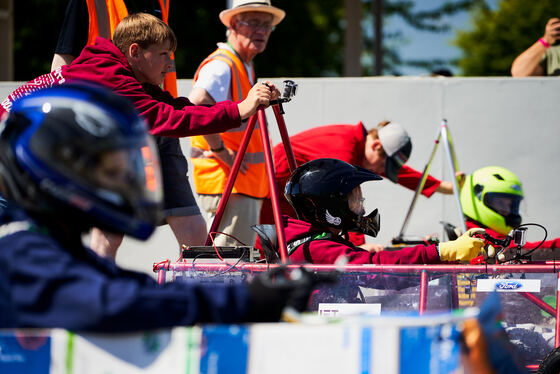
{"x":240,"y":6}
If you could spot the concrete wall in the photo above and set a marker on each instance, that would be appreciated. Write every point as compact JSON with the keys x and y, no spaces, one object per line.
{"x":508,"y":122}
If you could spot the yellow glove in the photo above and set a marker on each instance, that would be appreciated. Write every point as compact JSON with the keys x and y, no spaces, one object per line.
{"x":464,"y":248}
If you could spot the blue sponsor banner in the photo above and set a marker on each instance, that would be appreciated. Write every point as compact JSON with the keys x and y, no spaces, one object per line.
{"x":23,"y":353}
{"x":429,"y":350}
{"x":365,"y":362}
{"x":224,"y":349}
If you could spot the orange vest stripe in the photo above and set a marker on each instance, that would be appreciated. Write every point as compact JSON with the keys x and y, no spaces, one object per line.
{"x":210,"y":175}
{"x":170,"y":82}
{"x":105,"y":15}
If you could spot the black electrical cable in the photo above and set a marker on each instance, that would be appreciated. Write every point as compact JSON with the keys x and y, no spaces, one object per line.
{"x":525,"y":256}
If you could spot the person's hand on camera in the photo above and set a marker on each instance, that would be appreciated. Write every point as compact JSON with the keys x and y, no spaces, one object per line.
{"x":464,"y":248}
{"x":259,"y":95}
{"x":275,"y":91}
{"x":552,"y":31}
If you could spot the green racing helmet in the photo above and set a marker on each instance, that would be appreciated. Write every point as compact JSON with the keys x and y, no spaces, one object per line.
{"x":491,"y":196}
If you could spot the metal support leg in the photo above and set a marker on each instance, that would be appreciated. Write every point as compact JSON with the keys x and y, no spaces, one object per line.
{"x":423,"y":292}
{"x":271,"y":175}
{"x":232,"y":177}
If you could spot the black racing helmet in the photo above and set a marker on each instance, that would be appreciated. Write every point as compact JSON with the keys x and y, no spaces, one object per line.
{"x":82,"y":154}
{"x":318,"y":191}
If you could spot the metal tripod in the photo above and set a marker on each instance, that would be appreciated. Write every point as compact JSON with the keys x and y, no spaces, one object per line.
{"x":271,"y":179}
{"x":444,"y":137}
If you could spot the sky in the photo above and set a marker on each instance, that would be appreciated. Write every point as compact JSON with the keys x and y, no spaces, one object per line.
{"x":427,"y":45}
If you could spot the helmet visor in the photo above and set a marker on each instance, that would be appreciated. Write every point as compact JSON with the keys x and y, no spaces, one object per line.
{"x":503,"y":203}
{"x":128,"y":171}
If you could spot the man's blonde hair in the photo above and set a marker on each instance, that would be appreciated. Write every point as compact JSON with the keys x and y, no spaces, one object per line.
{"x":144,"y":29}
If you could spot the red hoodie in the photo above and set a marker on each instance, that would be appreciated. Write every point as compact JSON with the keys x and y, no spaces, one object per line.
{"x":327,"y":251}
{"x":103,"y":63}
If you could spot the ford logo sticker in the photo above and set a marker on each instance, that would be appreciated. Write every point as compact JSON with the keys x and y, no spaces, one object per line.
{"x":508,"y":285}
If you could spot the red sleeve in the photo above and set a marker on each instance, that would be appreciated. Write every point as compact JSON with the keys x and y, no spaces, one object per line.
{"x":177,"y":118}
{"x":409,"y":178}
{"x":328,"y":252}
{"x":554,"y":243}
{"x":420,"y":254}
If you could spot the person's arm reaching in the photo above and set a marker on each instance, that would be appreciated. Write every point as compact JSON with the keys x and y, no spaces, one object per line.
{"x":446,"y":187}
{"x":199,"y":96}
{"x":178,"y":117}
{"x":528,"y":63}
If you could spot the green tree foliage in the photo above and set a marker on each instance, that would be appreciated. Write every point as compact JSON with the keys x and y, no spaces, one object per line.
{"x":38,"y":22}
{"x":498,"y":36}
{"x":307,"y":43}
{"x":36,"y":25}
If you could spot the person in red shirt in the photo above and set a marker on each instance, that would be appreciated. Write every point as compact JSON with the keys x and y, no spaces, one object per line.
{"x":383,"y":150}
{"x":326,"y":195}
{"x":490,"y":198}
{"x":134,"y":65}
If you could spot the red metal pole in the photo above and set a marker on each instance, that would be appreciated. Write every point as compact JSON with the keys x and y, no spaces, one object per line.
{"x":382,"y":269}
{"x":161,"y":275}
{"x":271,"y":176}
{"x":232,"y":177}
{"x":285,"y":138}
{"x":423,"y":292}
{"x":557,"y":329}
{"x":538,"y":302}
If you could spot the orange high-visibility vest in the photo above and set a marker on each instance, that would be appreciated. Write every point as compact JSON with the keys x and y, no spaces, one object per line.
{"x":210,"y":175}
{"x":105,"y":15}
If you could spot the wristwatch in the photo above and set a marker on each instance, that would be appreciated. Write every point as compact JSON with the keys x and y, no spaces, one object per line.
{"x":219,"y":149}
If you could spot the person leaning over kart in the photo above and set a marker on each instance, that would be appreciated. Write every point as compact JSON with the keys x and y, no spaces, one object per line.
{"x":76,"y":156}
{"x":327,"y":198}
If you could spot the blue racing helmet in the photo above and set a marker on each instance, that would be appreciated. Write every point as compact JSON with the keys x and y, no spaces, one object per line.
{"x":82,"y":154}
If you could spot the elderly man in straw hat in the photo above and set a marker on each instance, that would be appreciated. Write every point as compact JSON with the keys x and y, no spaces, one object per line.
{"x":227,"y":74}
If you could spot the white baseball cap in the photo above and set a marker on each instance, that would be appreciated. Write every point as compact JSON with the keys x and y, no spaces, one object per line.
{"x":397,"y":146}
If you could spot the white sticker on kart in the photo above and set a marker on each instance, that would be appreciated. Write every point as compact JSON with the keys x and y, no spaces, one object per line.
{"x":343,"y":310}
{"x":508,"y":285}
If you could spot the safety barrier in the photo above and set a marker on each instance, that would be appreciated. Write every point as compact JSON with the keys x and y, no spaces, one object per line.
{"x":528,"y":292}
{"x":365,"y":345}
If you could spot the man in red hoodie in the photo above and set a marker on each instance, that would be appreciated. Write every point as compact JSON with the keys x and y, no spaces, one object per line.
{"x":134,"y":65}
{"x":327,"y":197}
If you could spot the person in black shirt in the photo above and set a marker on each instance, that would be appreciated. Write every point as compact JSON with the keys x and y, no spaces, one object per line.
{"x":74,"y":31}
